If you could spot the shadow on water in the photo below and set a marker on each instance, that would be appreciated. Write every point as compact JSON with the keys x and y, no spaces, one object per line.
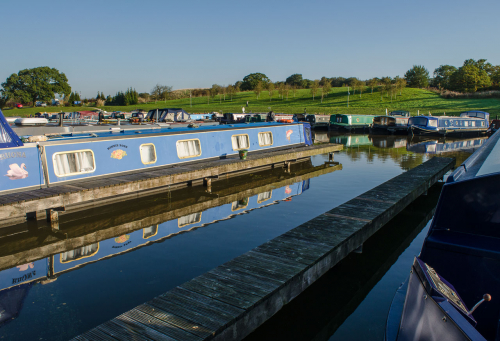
{"x":320,"y":310}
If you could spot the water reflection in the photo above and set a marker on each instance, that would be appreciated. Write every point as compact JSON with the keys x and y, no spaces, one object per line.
{"x":438,"y":146}
{"x":28,"y":258}
{"x":405,"y":150}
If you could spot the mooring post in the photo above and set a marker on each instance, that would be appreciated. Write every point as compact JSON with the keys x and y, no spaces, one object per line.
{"x":207,"y":182}
{"x":53,"y":218}
{"x":330,"y":157}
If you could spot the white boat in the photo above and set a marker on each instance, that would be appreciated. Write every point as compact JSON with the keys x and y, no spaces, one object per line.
{"x":31,"y":121}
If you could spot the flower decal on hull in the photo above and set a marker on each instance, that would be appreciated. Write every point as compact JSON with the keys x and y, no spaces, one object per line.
{"x":288,"y":133}
{"x":118,"y":154}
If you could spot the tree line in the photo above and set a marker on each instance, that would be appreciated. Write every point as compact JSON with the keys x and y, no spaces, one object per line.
{"x":42,"y":83}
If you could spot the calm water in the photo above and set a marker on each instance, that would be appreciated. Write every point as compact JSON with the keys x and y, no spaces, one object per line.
{"x":112,"y":259}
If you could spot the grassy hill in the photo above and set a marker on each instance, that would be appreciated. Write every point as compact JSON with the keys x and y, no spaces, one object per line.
{"x":336,"y":102}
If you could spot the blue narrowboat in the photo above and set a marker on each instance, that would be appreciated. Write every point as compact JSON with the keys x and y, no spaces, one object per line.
{"x":469,"y":123}
{"x":67,"y":158}
{"x":453,"y":290}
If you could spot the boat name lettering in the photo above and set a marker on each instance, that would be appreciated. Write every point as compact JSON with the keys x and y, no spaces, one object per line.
{"x":117,"y":247}
{"x":12,"y":155}
{"x":117,"y":145}
{"x":24,"y":278}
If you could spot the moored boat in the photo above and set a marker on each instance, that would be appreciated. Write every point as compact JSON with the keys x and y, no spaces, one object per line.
{"x":318,"y":121}
{"x":350,"y":122}
{"x":67,"y":158}
{"x":453,"y":287}
{"x":396,"y":122}
{"x":469,"y":123}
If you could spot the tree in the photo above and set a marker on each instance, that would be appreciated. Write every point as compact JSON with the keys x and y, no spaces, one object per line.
{"x":104,"y":98}
{"x":156,"y":92}
{"x":337,"y":82}
{"x":469,"y":78}
{"x":237,"y":86}
{"x":258,"y":88}
{"x":327,"y":86}
{"x":295,"y":79}
{"x":361,"y":87}
{"x":250,"y":81}
{"x":386,"y":86}
{"x":400,"y":84}
{"x":314,"y":87}
{"x":417,"y":77}
{"x":442,"y":76}
{"x":270,"y":88}
{"x":37,"y":84}
{"x":372,"y":83}
{"x":282,"y":90}
{"x":287,"y":90}
{"x":230,"y":91}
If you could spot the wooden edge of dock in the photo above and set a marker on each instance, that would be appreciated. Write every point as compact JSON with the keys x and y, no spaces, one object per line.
{"x":19,"y":204}
{"x":232,"y":300}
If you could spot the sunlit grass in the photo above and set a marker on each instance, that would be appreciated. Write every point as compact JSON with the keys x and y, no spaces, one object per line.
{"x":336,"y":102}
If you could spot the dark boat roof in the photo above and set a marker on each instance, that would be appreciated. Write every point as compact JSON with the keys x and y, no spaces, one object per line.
{"x":485,"y":161}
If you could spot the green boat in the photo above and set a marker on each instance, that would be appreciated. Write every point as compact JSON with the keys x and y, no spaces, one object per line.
{"x":351,"y":122}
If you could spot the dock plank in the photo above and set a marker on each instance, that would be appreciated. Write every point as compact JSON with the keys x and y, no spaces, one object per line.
{"x":230,"y":301}
{"x":90,"y":191}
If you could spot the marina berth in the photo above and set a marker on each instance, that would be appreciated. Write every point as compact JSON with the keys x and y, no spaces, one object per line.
{"x":394,"y":123}
{"x":318,"y":121}
{"x":68,"y":158}
{"x":453,"y":289}
{"x":468,"y":124}
{"x":350,"y":122}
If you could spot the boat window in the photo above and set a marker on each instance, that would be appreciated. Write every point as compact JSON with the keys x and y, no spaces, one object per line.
{"x":149,"y":231}
{"x":148,"y":153}
{"x":264,"y":196}
{"x":82,"y":252}
{"x":189,"y":219}
{"x":188,"y":148}
{"x":420,"y":121}
{"x":473,"y":124}
{"x":433,"y":123}
{"x":240,"y":141}
{"x":240,"y":204}
{"x":74,"y":162}
{"x":265,"y":139}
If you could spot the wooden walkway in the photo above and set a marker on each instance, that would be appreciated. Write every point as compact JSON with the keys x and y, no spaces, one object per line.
{"x":124,"y":187}
{"x":230,"y":301}
{"x":29,"y":247}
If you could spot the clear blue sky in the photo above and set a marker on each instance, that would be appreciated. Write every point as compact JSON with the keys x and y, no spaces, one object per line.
{"x":111,"y":45}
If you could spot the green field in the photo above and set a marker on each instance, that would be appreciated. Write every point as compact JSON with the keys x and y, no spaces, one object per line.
{"x":336,"y":102}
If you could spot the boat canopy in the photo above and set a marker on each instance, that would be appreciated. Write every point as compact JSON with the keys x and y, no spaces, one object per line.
{"x":400,"y":113}
{"x":475,"y":113}
{"x":8,"y":138}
